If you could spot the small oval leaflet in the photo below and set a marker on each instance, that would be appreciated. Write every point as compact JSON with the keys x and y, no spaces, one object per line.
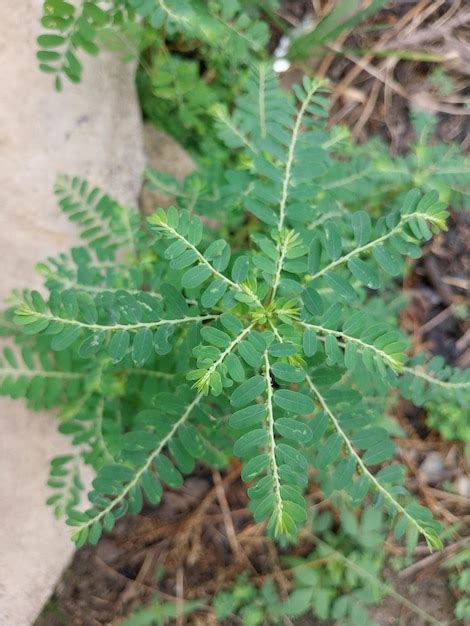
{"x":252,"y":440}
{"x":119,"y":345}
{"x":293,"y":401}
{"x":248,"y":391}
{"x":293,"y":429}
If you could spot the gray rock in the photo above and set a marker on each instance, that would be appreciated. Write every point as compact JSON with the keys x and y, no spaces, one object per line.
{"x":463,"y":486}
{"x":92,"y":130}
{"x":432,"y":467}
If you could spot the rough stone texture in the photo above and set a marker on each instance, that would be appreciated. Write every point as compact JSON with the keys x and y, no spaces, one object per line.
{"x":165,"y":154}
{"x":92,"y":130}
{"x":34,"y":546}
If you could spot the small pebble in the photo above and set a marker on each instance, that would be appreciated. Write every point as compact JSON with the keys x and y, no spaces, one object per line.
{"x":463,"y":486}
{"x":432,"y":467}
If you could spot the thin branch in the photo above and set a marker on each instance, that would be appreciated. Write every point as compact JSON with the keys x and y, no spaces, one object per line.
{"x":272,"y":440}
{"x":224,"y":507}
{"x":392,"y":362}
{"x":291,"y":155}
{"x":363,"y":467}
{"x":203,"y":382}
{"x":40,"y":373}
{"x":202,"y":259}
{"x":435,"y":381}
{"x":26,"y":311}
{"x":163,"y":443}
{"x":368,"y":246}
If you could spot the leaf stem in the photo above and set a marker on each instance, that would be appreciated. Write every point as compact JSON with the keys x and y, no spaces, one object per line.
{"x":205,"y":380}
{"x":435,"y":381}
{"x":368,"y":246}
{"x":280,"y":263}
{"x":272,"y":438}
{"x":202,"y":259}
{"x":391,"y":362}
{"x":40,"y":373}
{"x":364,"y":469}
{"x":225,"y":119}
{"x":105,"y":327}
{"x":143,"y":468}
{"x":291,"y":155}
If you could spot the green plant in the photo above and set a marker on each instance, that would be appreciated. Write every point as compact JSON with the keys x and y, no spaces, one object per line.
{"x":192,"y":55}
{"x":459,"y":578}
{"x":441,"y":82}
{"x":181,"y":349}
{"x":71,"y":29}
{"x":429,"y":164}
{"x":159,"y":613}
{"x":449,"y":419}
{"x":368,"y":175}
{"x":189,"y":69}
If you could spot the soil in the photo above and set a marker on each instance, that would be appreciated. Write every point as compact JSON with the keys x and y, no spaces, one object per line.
{"x":186,"y":533}
{"x":430,"y":592}
{"x":189,"y":532}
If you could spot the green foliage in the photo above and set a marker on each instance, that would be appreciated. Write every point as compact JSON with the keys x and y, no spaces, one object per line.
{"x":64,"y":479}
{"x":159,"y":613}
{"x":430,"y":164}
{"x":442,"y":82}
{"x":449,"y":419}
{"x":45,"y":380}
{"x":180,"y":45}
{"x":181,"y":348}
{"x":71,"y":30}
{"x":459,"y":566}
{"x":212,"y":46}
{"x":221,"y":25}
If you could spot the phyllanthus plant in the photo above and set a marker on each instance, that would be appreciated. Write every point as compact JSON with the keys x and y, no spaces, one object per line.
{"x":228,"y":34}
{"x":183,"y":349}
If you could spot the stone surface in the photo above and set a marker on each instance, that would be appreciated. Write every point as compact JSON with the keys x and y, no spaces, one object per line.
{"x":432,"y":467}
{"x":34,"y":546}
{"x":165,"y":154}
{"x":92,"y":130}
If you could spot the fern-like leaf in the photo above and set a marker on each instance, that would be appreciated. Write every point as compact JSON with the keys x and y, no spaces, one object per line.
{"x":120,"y":487}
